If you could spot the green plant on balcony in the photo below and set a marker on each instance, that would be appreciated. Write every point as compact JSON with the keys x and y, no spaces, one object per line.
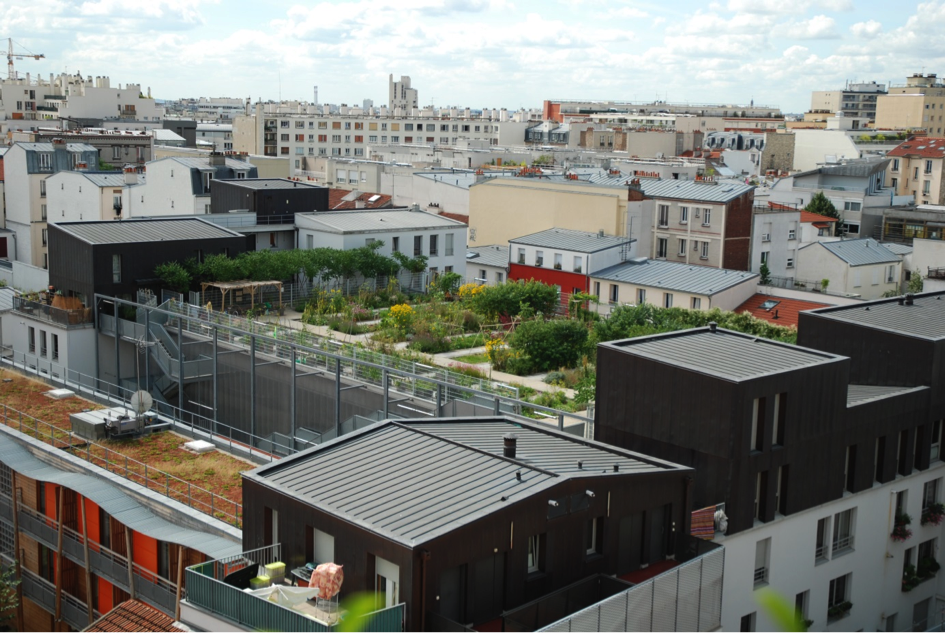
{"x":934,"y":514}
{"x":910,"y":578}
{"x":901,"y":531}
{"x":927,"y":568}
{"x":839,"y":610}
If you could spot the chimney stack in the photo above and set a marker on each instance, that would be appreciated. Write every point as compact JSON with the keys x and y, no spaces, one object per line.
{"x":909,"y":298}
{"x":217,"y":159}
{"x":713,"y":326}
{"x":131,"y":176}
{"x":509,"y":441}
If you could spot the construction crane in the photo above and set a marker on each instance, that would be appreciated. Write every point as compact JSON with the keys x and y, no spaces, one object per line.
{"x":11,"y":55}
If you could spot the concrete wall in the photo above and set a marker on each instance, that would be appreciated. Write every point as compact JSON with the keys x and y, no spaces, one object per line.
{"x":25,"y":277}
{"x":927,"y":254}
{"x":813,"y":147}
{"x":76,"y":351}
{"x":71,"y":197}
{"x":779,"y":248}
{"x":168,"y":191}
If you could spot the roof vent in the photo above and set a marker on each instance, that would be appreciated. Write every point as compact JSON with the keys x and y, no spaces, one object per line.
{"x":902,"y":300}
{"x":713,"y":326}
{"x":909,"y":298}
{"x":509,"y":440}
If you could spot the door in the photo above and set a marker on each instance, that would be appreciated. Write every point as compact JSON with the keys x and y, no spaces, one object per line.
{"x":386,"y":583}
{"x":453,"y":594}
{"x":487,"y":590}
{"x":630,"y":545}
{"x":657,"y":525}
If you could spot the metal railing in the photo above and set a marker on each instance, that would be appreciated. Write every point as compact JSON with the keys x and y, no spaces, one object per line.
{"x":761,"y":575}
{"x":134,"y":471}
{"x":805,"y":285}
{"x":842,"y":543}
{"x":936,"y":273}
{"x":44,"y":312}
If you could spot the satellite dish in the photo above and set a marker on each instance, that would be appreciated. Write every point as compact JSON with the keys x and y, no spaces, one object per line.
{"x":141,"y":402}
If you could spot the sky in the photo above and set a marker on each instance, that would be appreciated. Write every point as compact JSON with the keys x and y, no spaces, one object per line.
{"x":484,"y":53}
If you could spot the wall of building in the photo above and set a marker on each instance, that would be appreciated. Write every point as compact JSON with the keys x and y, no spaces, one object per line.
{"x":76,"y":351}
{"x":25,"y":277}
{"x":927,"y":254}
{"x":812,"y":148}
{"x":816,"y":262}
{"x":779,"y":152}
{"x":71,"y":197}
{"x":777,"y":225}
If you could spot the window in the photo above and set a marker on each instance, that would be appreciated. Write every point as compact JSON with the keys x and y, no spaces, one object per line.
{"x":894,"y":183}
{"x":758,"y":424}
{"x":283,"y":137}
{"x":499,"y":277}
{"x":705,"y":251}
{"x":395,"y":244}
{"x":780,"y":491}
{"x":310,"y":241}
{"x":930,"y":492}
{"x":534,"y":554}
{"x":915,"y":173}
{"x":417,"y":245}
{"x":667,"y":300}
{"x":780,"y":407}
{"x":593,"y":536}
{"x":821,"y":551}
{"x":837,"y":595}
{"x":116,"y":269}
{"x":926,"y":187}
{"x":42,"y":343}
{"x":55,"y":347}
{"x":434,"y":246}
{"x":682,"y":248}
{"x":696,"y":303}
{"x":790,"y":263}
{"x":748,"y":622}
{"x":614,"y":293}
{"x":792,"y":234}
{"x":663,"y":215}
{"x":45,"y":160}
{"x":641,"y":296}
{"x":934,"y":453}
{"x":683,"y":215}
{"x":852,"y":206}
{"x":928,"y":166}
{"x":762,"y":553}
{"x":31,"y":335}
{"x":42,"y":188}
{"x":367,"y":241}
{"x":408,"y":127}
{"x":759,"y":490}
{"x":849,"y":469}
{"x":45,"y":235}
{"x":539,"y":258}
{"x":706,"y":217}
{"x":843,"y":531}
{"x":661,"y":246}
{"x":578,"y":261}
{"x":521,"y":256}
{"x":801,"y":602}
{"x":386,"y":581}
{"x":558,"y":261}
{"x":764,"y":257}
{"x":895,"y":164}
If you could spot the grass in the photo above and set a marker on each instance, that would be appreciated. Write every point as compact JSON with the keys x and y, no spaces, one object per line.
{"x":473,"y":359}
{"x":147,"y":460}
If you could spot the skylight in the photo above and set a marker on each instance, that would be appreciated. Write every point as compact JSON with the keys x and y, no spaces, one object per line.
{"x":769,"y":304}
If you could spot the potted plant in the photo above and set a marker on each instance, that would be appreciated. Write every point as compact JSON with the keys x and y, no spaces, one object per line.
{"x":910,"y":578}
{"x":901,"y":531}
{"x":839,"y":610}
{"x":934,"y":514}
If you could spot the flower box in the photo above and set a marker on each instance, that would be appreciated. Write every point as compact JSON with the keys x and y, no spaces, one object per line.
{"x":901,"y":531}
{"x":933,"y":515}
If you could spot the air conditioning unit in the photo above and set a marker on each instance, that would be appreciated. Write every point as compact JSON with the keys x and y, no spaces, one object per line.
{"x":766,"y":237}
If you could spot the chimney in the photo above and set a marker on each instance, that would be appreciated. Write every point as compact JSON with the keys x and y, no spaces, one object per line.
{"x":217,"y":159}
{"x":909,"y":298}
{"x":359,"y":204}
{"x":713,"y":326}
{"x":59,"y":142}
{"x":509,"y":441}
{"x":131,"y":176}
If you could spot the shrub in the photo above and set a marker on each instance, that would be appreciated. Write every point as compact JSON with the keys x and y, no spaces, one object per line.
{"x":174,"y":276}
{"x":550,"y":345}
{"x":554,"y":378}
{"x":513,"y":297}
{"x":430,"y":343}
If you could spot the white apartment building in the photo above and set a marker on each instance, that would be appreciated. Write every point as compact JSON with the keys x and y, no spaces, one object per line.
{"x":26,"y":169}
{"x":181,"y":186}
{"x":414,"y":233}
{"x":862,"y":267}
{"x":215,"y":136}
{"x":401,"y":95}
{"x":487,"y":265}
{"x":79,"y":196}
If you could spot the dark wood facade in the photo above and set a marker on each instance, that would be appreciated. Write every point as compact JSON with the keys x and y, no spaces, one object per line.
{"x":475,"y":572}
{"x":271,"y":204}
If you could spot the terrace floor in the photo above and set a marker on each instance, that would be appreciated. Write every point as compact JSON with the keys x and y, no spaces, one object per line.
{"x":157,"y":461}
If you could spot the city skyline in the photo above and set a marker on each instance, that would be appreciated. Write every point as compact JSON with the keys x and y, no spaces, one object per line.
{"x":730,"y":52}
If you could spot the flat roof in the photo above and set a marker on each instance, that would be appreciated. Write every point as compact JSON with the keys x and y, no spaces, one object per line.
{"x":268,"y":183}
{"x":571,"y":240}
{"x":723,"y":353}
{"x":657,"y":273}
{"x":925,"y":318}
{"x":357,"y":221}
{"x":413,"y":480}
{"x":133,"y":231}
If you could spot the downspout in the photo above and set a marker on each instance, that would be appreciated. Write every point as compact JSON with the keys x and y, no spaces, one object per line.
{"x":424,"y":559}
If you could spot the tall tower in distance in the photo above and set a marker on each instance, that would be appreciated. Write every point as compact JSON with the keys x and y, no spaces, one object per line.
{"x":316,"y":96}
{"x":401,"y":94}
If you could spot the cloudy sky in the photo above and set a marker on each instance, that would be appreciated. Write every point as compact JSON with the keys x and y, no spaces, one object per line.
{"x":485,"y":53}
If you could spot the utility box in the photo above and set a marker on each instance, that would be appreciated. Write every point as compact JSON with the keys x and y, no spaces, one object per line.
{"x":89,"y":425}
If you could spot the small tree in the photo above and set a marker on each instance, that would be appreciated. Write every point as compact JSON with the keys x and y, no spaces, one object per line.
{"x":765,"y":273}
{"x":821,"y":205}
{"x":916,"y":283}
{"x":824,"y":283}
{"x":8,"y":597}
{"x":174,"y":276}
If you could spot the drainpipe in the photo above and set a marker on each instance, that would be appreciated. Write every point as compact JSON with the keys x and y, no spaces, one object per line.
{"x":424,"y":560}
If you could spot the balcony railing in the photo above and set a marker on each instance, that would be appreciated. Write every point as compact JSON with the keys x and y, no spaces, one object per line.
{"x":843,"y":543}
{"x":936,"y":273}
{"x":761,"y":575}
{"x":44,"y":312}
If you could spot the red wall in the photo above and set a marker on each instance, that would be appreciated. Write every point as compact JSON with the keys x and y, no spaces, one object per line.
{"x":145,"y":551}
{"x":567,"y":281}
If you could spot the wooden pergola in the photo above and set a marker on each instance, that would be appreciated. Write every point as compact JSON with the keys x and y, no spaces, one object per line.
{"x":244,"y":284}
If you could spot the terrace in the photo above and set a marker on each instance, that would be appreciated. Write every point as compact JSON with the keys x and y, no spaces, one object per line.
{"x":77,"y":317}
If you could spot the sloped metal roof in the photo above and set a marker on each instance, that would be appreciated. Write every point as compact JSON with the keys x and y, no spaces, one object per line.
{"x":115,"y":502}
{"x":924,"y":319}
{"x":898,"y":249}
{"x":133,"y":231}
{"x":722,"y":191}
{"x":859,"y":394}
{"x":571,"y":240}
{"x":723,"y":353}
{"x":861,"y":252}
{"x":493,"y":255}
{"x":412,"y":481}
{"x":377,"y":220}
{"x":101,"y":179}
{"x":656,"y":273}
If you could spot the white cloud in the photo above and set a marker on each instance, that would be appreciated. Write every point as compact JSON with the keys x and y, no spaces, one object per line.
{"x":819,"y":27}
{"x":866,"y":30}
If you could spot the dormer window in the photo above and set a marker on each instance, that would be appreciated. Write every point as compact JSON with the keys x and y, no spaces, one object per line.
{"x":45,"y":160}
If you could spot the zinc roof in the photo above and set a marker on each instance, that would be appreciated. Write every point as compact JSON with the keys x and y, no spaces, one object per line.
{"x":268,"y":183}
{"x":493,"y":255}
{"x":132,"y":231}
{"x":413,"y":480}
{"x":106,"y":179}
{"x":924,"y":319}
{"x":723,"y":353}
{"x":898,"y":249}
{"x":861,"y":252}
{"x":571,"y":240}
{"x":367,"y":221}
{"x":859,"y":394}
{"x":656,"y":273}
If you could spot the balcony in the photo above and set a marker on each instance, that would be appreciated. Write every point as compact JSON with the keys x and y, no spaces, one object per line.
{"x":936,"y":273}
{"x":81,"y":317}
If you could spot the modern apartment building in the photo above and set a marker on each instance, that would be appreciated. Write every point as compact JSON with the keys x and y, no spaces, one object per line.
{"x":919,"y":104}
{"x":816,"y":451}
{"x":857,"y":99}
{"x":918,"y":169}
{"x":26,"y":168}
{"x":559,"y":109}
{"x":401,"y":95}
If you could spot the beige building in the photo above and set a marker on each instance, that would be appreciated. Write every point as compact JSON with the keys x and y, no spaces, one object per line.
{"x":918,"y":169}
{"x":920,"y":104}
{"x":855,"y":99}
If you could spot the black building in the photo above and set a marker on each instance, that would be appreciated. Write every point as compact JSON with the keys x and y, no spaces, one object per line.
{"x":183,"y":128}
{"x":776,"y":428}
{"x":466,"y":518}
{"x":118,"y":258}
{"x":273,"y":200}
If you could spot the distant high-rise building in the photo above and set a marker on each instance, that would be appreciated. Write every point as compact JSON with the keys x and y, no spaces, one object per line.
{"x":368,"y":104}
{"x":401,"y":94}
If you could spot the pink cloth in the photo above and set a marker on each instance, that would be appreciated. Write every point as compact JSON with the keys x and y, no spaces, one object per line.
{"x":327,"y":578}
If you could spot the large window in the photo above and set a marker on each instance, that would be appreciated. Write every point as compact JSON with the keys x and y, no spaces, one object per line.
{"x":843,"y":531}
{"x":417,"y":245}
{"x":641,"y":296}
{"x":534,"y":554}
{"x":663,"y":215}
{"x":434,"y":245}
{"x":593,"y":536}
{"x":762,"y":555}
{"x":838,"y":594}
{"x":930,"y":492}
{"x":683,"y":215}
{"x":539,"y":258}
{"x":116,"y":268}
{"x":661,"y":247}
{"x":449,"y":245}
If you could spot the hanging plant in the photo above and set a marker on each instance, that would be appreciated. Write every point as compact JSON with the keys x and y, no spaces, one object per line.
{"x":934,"y":514}
{"x":901,"y":531}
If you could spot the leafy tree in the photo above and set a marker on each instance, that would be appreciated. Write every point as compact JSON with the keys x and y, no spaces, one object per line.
{"x":8,"y":597}
{"x":915,"y":282}
{"x":448,"y":283}
{"x":549,"y":345}
{"x":411,"y":264}
{"x":174,"y":276}
{"x":765,"y":273}
{"x":821,"y":205}
{"x":512,"y":298}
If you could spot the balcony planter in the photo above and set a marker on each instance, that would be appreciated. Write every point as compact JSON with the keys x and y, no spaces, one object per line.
{"x":838,"y":611}
{"x":557,"y":266}
{"x":901,"y":531}
{"x":934,"y":514}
